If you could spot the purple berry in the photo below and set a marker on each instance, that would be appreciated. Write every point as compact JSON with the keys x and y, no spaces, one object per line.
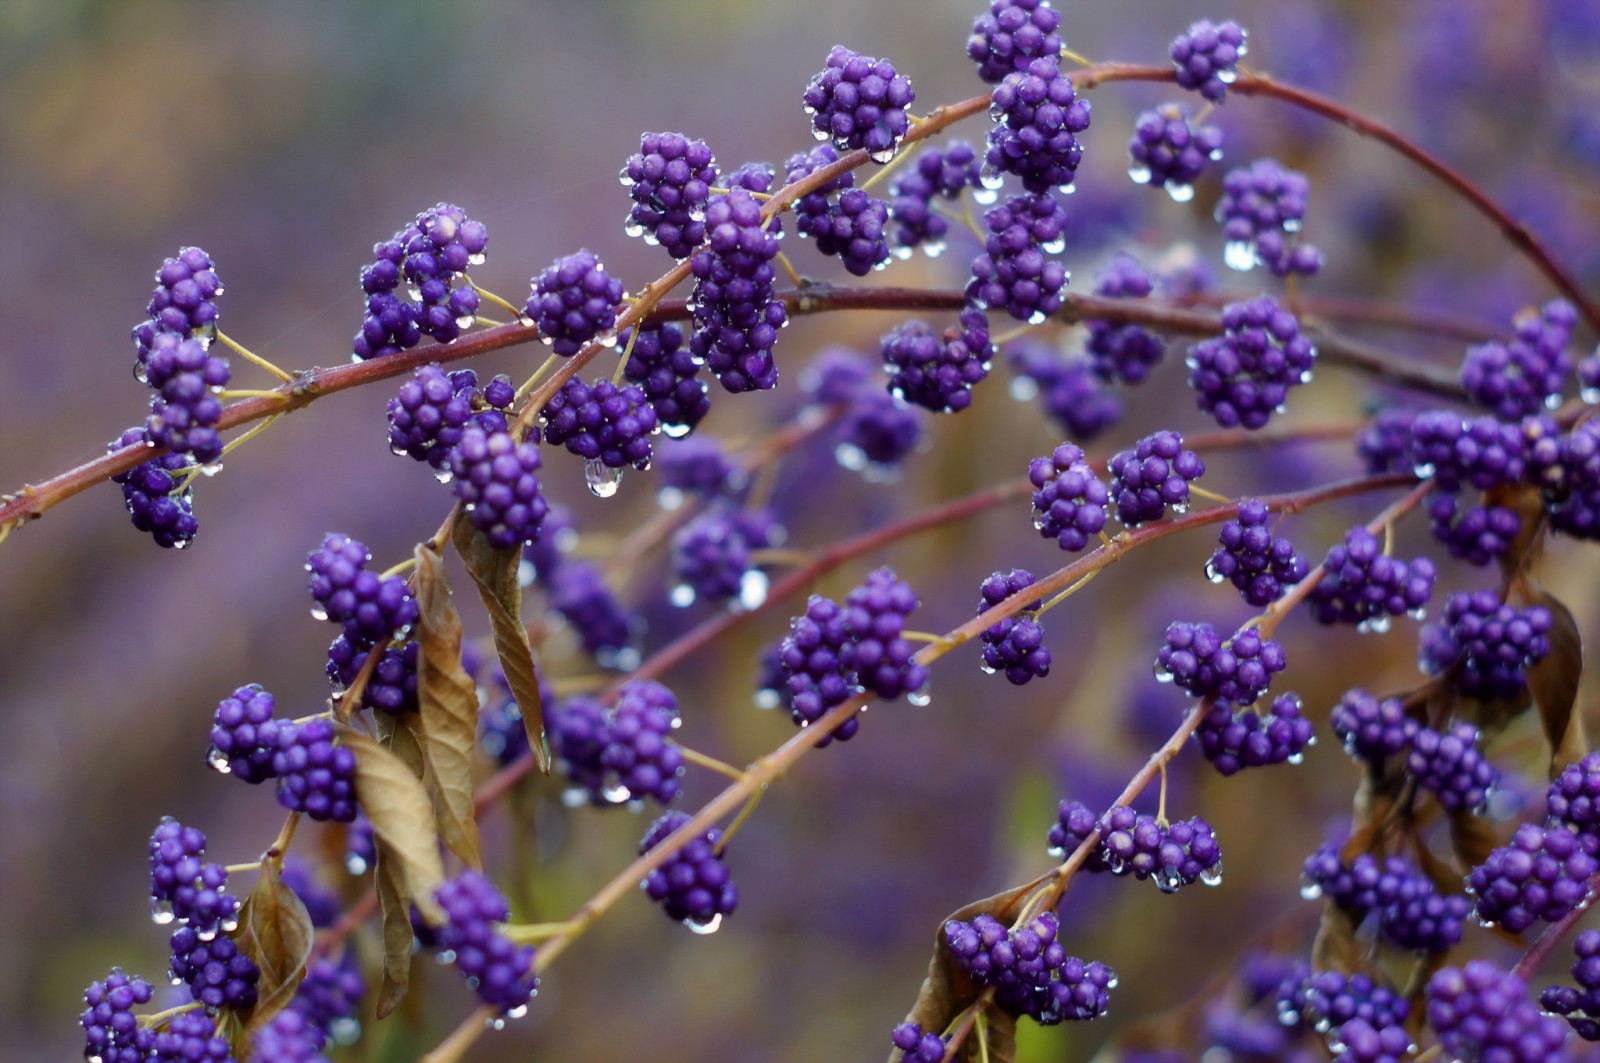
{"x":1200,"y":663}
{"x":736,"y":318}
{"x":1262,"y":208}
{"x":1257,"y":563}
{"x":574,"y":302}
{"x":1029,"y":969}
{"x":670,"y":179}
{"x":935,"y":173}
{"x":1174,"y":856}
{"x":1361,"y":585}
{"x":1481,"y":452}
{"x":1542,"y":875}
{"x":916,"y":1046}
{"x":244,"y":735}
{"x":500,"y":971}
{"x":1371,"y":729}
{"x":151,"y":491}
{"x":1037,"y":116}
{"x":814,"y":667}
{"x":874,"y":616}
{"x":1014,"y":272}
{"x":496,"y":480}
{"x":934,"y":372}
{"x":315,"y":775}
{"x":1066,"y":389}
{"x":1384,"y":444}
{"x":1573,"y":801}
{"x":577,"y":591}
{"x":1525,"y":376}
{"x":1243,"y":377}
{"x":1069,"y":501}
{"x":639,"y":759}
{"x":329,"y":998}
{"x":1476,"y":535}
{"x":183,"y":303}
{"x":1011,"y":35}
{"x":1207,"y":55}
{"x":1232,"y":741}
{"x":217,"y":973}
{"x":1121,"y":353}
{"x":1452,"y":768}
{"x":432,"y":255}
{"x":432,"y":409}
{"x":579,"y":733}
{"x":1492,"y":644}
{"x":1170,"y":153}
{"x":185,"y":888}
{"x":1579,"y":1004}
{"x":1151,"y":476}
{"x":111,"y":1031}
{"x":1015,"y":644}
{"x":1482,"y":1013}
{"x":289,"y":1037}
{"x":183,"y":414}
{"x":693,"y":886}
{"x":601,"y":423}
{"x":877,"y":433}
{"x":859,"y":102}
{"x":190,"y":1037}
{"x":711,"y":556}
{"x":669,"y":376}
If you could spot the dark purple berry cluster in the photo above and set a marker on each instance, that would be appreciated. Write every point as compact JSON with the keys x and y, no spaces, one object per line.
{"x":736,"y":318}
{"x":1015,"y":645}
{"x":1325,"y":1000}
{"x":1150,"y":476}
{"x":1258,"y":563}
{"x":814,"y":669}
{"x":1477,"y":535}
{"x":1207,"y":55}
{"x":639,"y":760}
{"x":1168,"y":152}
{"x":1573,"y":801}
{"x":1069,"y":500}
{"x":1372,"y":729}
{"x":577,"y":590}
{"x":668,"y":374}
{"x":1542,"y":875}
{"x":1174,"y":856}
{"x":1122,"y":353}
{"x":244,"y":735}
{"x":1201,"y":663}
{"x":1066,"y":389}
{"x":289,"y":1037}
{"x":1579,"y":1004}
{"x":1482,"y":1013}
{"x":1037,"y":116}
{"x":496,"y":479}
{"x":574,"y":302}
{"x":697,"y":467}
{"x":1526,"y":375}
{"x":1029,"y":969}
{"x":1362,"y":585}
{"x":371,"y":608}
{"x":216,"y":972}
{"x":329,"y":997}
{"x":938,"y":372}
{"x":1015,"y":271}
{"x":392,"y":686}
{"x":1384,"y":444}
{"x":184,"y":301}
{"x":1359,"y":1041}
{"x":1012,"y":34}
{"x":1234,"y":740}
{"x":157,"y":494}
{"x":602,"y":423}
{"x":877,"y":433}
{"x":1480,"y":452}
{"x":111,"y":1031}
{"x":936,"y":173}
{"x":1243,"y":377}
{"x":579,"y":733}
{"x":670,"y":179}
{"x":190,"y":1037}
{"x":1492,"y":644}
{"x":1452,"y":767}
{"x":183,"y":887}
{"x":431,"y":255}
{"x":497,"y":969}
{"x":693,"y":886}
{"x":1411,"y":913}
{"x":433,"y":408}
{"x":187,"y":376}
{"x":858,"y":102}
{"x":1262,"y":209}
{"x":711,"y":556}
{"x":874,"y":617}
{"x":316,"y":775}
{"x":916,"y":1046}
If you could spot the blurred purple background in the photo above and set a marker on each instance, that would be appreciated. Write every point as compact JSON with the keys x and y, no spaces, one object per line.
{"x":286,"y":138}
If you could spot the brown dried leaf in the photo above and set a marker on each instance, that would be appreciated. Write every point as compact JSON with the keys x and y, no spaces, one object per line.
{"x":1554,"y":683}
{"x":397,"y":933}
{"x":1472,"y":837}
{"x":1002,"y":1036}
{"x":448,"y":699}
{"x":1336,"y":947}
{"x":402,"y":819}
{"x":399,"y":737}
{"x":495,"y":573}
{"x":947,"y":991}
{"x":1446,"y":877}
{"x":275,"y":931}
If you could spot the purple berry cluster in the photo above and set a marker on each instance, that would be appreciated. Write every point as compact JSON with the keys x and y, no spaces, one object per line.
{"x":1015,"y":272}
{"x":711,"y":556}
{"x":1168,"y":152}
{"x":216,"y":972}
{"x":577,"y":590}
{"x":670,"y":179}
{"x":1526,"y":375}
{"x":496,"y":479}
{"x":370,"y":607}
{"x":1257,"y":563}
{"x":1573,"y":500}
{"x":916,"y":1046}
{"x":1411,"y":913}
{"x":244,"y":735}
{"x":668,"y":374}
{"x":184,"y":301}
{"x":289,"y":1038}
{"x":693,"y":886}
{"x":500,"y":971}
{"x":111,"y":1031}
{"x":1234,"y":740}
{"x":1479,"y":452}
{"x":1015,"y":645}
{"x":624,"y":754}
{"x":183,"y":887}
{"x":1451,"y":766}
{"x":316,"y":775}
{"x":1037,"y":116}
{"x":190,"y":1037}
{"x":1490,"y":643}
{"x":1477,"y":535}
{"x":874,"y":617}
{"x":1069,"y":500}
{"x":1325,"y":1000}
{"x":1150,"y":476}
{"x":1202,"y":664}
{"x":187,"y":376}
{"x":156,"y":502}
{"x":1243,"y":377}
{"x":1573,"y":801}
{"x":1011,"y":35}
{"x":859,"y":103}
{"x":1207,"y":55}
{"x":1372,"y":729}
{"x":938,"y":372}
{"x":433,"y":408}
{"x":1542,"y":875}
{"x":579,"y":733}
{"x":602,"y":423}
{"x":392,"y":686}
{"x":736,"y":318}
{"x":431,"y":255}
{"x":1384,"y":443}
{"x":1483,"y":1013}
{"x":1122,"y":353}
{"x":574,"y":302}
{"x":1361,"y":585}
{"x":1579,"y":1004}
{"x":1029,"y":969}
{"x":877,"y":433}
{"x":697,"y":467}
{"x":1174,"y":856}
{"x":936,"y":173}
{"x":1066,"y":389}
{"x":1262,"y":209}
{"x":329,"y":997}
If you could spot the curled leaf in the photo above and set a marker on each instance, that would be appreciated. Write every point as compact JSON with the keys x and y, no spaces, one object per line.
{"x":403,"y":826}
{"x":275,"y":931}
{"x":448,"y":702}
{"x":397,"y":933}
{"x":398,"y":735}
{"x":1336,"y":947}
{"x":1554,"y":684}
{"x":495,"y":573}
{"x":1472,"y":837}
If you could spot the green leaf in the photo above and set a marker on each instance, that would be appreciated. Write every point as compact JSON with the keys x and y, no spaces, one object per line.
{"x":448,"y":699}
{"x":275,"y":931}
{"x":495,"y":573}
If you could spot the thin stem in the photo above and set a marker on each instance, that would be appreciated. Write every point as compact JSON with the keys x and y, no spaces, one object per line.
{"x":462,"y":1037}
{"x":532,"y":933}
{"x":1196,"y":489}
{"x":739,"y":821}
{"x":1553,"y":935}
{"x":396,"y":569}
{"x":694,"y":756}
{"x":254,"y":865}
{"x":788,"y":267}
{"x":516,"y":312}
{"x":252,"y":357}
{"x":1070,"y":591}
{"x":161,"y":1018}
{"x":921,"y":636}
{"x":538,"y":374}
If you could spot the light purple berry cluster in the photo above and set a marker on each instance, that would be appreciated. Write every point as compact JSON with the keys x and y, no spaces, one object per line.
{"x":1579,"y":1004}
{"x":670,"y":179}
{"x":496,"y":479}
{"x":155,"y":502}
{"x":500,"y":971}
{"x":184,"y":301}
{"x":1384,"y":443}
{"x":244,"y":735}
{"x":938,"y":372}
{"x":874,"y":617}
{"x":1234,"y":740}
{"x":431,"y":255}
{"x":1038,"y":115}
{"x":184,"y":412}
{"x":183,"y":887}
{"x":574,"y":302}
{"x":370,"y":607}
{"x":1122,"y":353}
{"x":916,"y":1046}
{"x":1492,"y":644}
{"x":1069,"y":500}
{"x":1482,"y":1013}
{"x":1526,"y":375}
{"x":1168,"y":152}
{"x":316,"y":774}
{"x":1243,"y":377}
{"x":1325,"y":1000}
{"x":668,"y":374}
{"x":936,"y":173}
{"x":1012,"y":34}
{"x":624,"y":753}
{"x":711,"y":556}
{"x":433,"y":408}
{"x":1542,"y":875}
{"x":601,"y":422}
{"x":289,"y":1037}
{"x":1029,"y":969}
{"x":392,"y":685}
{"x":1571,"y":483}
{"x":1066,"y":389}
{"x":1014,"y":645}
{"x":858,"y":102}
{"x":877,"y":433}
{"x":111,"y":1031}
{"x":1362,"y":585}
{"x":736,"y":318}
{"x":693,"y":886}
{"x":1207,"y":55}
{"x":1202,"y":664}
{"x":190,"y":1037}
{"x":1411,"y":913}
{"x":1262,"y":209}
{"x":577,"y":590}
{"x":1257,"y":563}
{"x":1573,"y":801}
{"x":1451,"y":766}
{"x":329,"y":997}
{"x":698,"y":467}
{"x":1150,"y":476}
{"x":1477,"y":535}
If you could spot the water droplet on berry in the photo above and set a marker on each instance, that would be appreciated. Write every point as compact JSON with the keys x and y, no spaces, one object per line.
{"x":1374,"y":625}
{"x":681,"y":596}
{"x":1295,"y":758}
{"x":443,"y":474}
{"x":1024,"y":388}
{"x":1139,"y":174}
{"x":1054,"y":247}
{"x":987,"y":669}
{"x":753,"y":589}
{"x":317,"y":611}
{"x":218,"y":760}
{"x":1180,"y":507}
{"x":1423,"y":469}
{"x":1590,"y":395}
{"x":182,"y":544}
{"x":1212,"y":876}
{"x":574,"y":797}
{"x":465,"y":321}
{"x":676,"y":431}
{"x":1162,"y":675}
{"x":991,"y":179}
{"x":1212,"y":574}
{"x":1291,"y":225}
{"x":850,"y":456}
{"x":1417,"y":613}
{"x":1167,"y":879}
{"x":708,"y":927}
{"x":933,"y":248}
{"x":767,"y":698}
{"x":1310,"y":889}
{"x":211,"y":468}
{"x":495,"y":1022}
{"x":1239,"y":255}
{"x":160,"y":912}
{"x":902,"y":253}
{"x":601,"y":478}
{"x":228,"y":925}
{"x":517,"y":1012}
{"x":920,"y":698}
{"x":1180,"y":193}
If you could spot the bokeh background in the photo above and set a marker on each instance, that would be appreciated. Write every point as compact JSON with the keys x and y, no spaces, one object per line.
{"x":286,"y":138}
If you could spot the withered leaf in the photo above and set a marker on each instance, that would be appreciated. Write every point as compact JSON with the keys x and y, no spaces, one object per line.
{"x":1472,"y":837}
{"x":399,"y":737}
{"x":947,"y":991}
{"x":1445,"y":877}
{"x":402,"y":819}
{"x":448,"y":700}
{"x":275,"y":931}
{"x":495,"y":573}
{"x":1336,"y":947}
{"x":397,"y":933}
{"x":1002,"y":1036}
{"x":1554,"y":684}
